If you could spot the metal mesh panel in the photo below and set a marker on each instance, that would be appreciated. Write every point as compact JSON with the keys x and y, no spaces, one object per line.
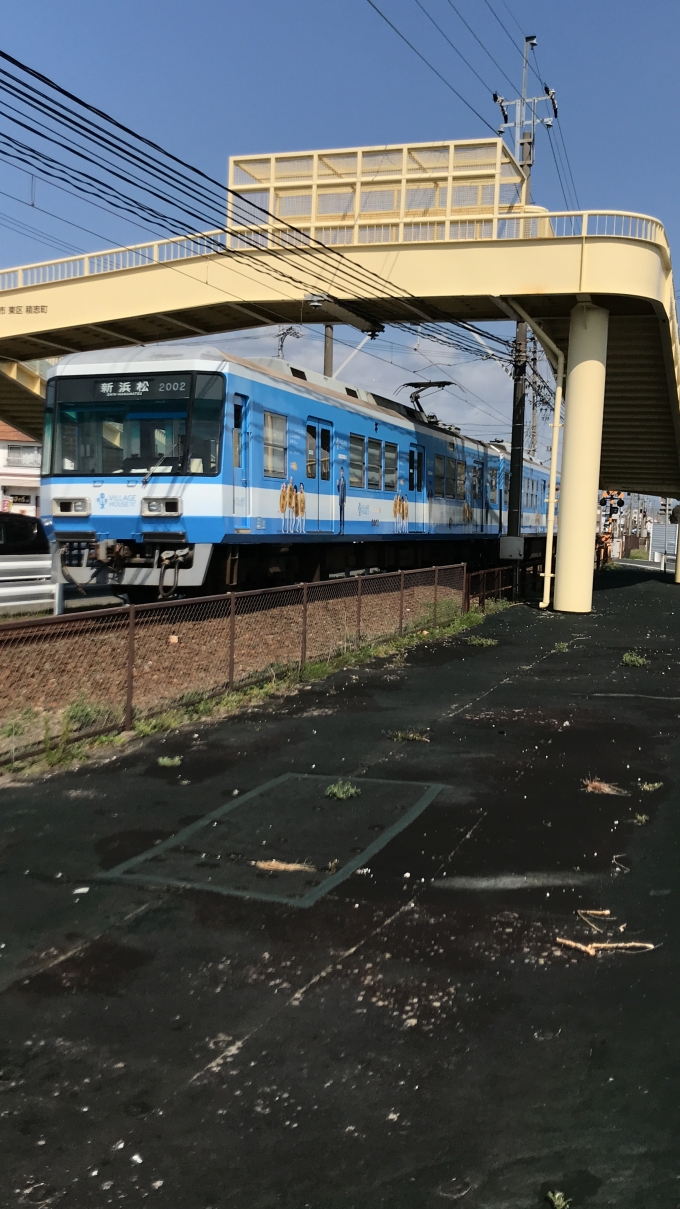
{"x":418,"y":600}
{"x":331,"y":618}
{"x":61,"y":677}
{"x":450,"y":594}
{"x":181,"y":652}
{"x":494,"y":583}
{"x":380,"y":604}
{"x":268,"y":632}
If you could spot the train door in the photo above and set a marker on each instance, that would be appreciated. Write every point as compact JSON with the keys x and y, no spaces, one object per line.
{"x":416,"y":488}
{"x":319,"y":477}
{"x":240,"y":463}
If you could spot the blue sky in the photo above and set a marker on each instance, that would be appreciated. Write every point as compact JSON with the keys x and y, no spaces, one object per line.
{"x":210,"y":79}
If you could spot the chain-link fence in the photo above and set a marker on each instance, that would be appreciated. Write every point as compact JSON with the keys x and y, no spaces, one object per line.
{"x":81,"y":675}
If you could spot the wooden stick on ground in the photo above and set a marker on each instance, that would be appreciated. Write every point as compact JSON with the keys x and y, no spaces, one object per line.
{"x":574,"y":944}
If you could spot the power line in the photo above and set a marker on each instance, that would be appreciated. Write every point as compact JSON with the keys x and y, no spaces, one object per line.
{"x":509,"y":10}
{"x":486,"y":51}
{"x":559,"y":174}
{"x":431,"y":67}
{"x":453,"y":46}
{"x":561,"y":135}
{"x":326,"y":264}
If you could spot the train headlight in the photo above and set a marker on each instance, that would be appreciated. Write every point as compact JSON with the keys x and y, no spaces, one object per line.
{"x":164,"y":506}
{"x":80,"y":506}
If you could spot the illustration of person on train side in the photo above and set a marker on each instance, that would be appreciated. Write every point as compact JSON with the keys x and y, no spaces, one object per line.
{"x":283,"y":505}
{"x":302,"y":506}
{"x":290,"y":506}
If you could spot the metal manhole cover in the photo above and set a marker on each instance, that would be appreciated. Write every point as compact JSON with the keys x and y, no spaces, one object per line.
{"x":284,"y":841}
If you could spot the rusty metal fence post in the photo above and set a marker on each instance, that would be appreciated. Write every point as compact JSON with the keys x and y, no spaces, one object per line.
{"x":303,"y":644}
{"x":358,"y":610}
{"x":232,"y":637}
{"x":434,"y":602}
{"x":129,"y":695}
{"x":401,"y":603}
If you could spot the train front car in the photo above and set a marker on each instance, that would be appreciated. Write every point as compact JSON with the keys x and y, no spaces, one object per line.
{"x":132,"y":468}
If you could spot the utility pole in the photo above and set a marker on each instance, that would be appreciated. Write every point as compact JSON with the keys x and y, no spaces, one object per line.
{"x":533,"y":449}
{"x":328,"y":351}
{"x":524,"y":127}
{"x":517,"y":446}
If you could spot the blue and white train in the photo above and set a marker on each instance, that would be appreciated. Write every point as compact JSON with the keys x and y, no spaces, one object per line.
{"x":185,"y":468}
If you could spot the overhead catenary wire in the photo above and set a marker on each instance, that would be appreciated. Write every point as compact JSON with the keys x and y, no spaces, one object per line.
{"x":453,"y":46}
{"x":484,"y":48}
{"x":431,"y":66}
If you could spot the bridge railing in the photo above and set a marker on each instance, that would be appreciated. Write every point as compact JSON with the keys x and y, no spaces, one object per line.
{"x":556,"y":225}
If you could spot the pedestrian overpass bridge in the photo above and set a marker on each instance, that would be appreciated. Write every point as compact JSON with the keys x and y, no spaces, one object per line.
{"x":599,"y":283}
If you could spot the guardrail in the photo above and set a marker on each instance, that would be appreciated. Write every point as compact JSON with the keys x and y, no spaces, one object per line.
{"x":562,"y":224}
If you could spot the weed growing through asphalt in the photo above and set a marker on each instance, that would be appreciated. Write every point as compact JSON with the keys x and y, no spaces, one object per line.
{"x":633,"y":659}
{"x":650,"y":786}
{"x":640,"y":819}
{"x":477,"y":640}
{"x":342,"y":790}
{"x":408,"y":736}
{"x":558,"y":1200}
{"x":169,"y":761}
{"x":560,"y":648}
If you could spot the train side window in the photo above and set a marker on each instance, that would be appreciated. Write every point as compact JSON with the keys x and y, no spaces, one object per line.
{"x":460,"y":480}
{"x":325,"y":454}
{"x":420,"y":476}
{"x":411,"y":469}
{"x":237,"y":435}
{"x":374,"y":465}
{"x":439,"y":465}
{"x":451,"y":478}
{"x":357,"y":458}
{"x":391,"y":453}
{"x":275,"y":445}
{"x":493,"y":486}
{"x":311,"y":451}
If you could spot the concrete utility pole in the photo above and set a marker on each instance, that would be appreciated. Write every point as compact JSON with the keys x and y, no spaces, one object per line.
{"x":328,"y":351}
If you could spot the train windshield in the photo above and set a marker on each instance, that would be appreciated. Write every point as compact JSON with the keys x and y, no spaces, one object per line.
{"x":156,"y":423}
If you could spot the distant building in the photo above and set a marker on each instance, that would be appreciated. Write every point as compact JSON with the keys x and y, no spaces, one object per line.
{"x":19,"y":472}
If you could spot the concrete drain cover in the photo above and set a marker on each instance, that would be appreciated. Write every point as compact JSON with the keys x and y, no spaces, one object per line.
{"x":283,"y":842}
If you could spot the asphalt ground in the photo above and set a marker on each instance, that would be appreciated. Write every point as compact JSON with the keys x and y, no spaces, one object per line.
{"x":415,"y":1037}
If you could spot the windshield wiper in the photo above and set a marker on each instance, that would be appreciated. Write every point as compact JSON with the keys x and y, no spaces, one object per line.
{"x":160,"y":461}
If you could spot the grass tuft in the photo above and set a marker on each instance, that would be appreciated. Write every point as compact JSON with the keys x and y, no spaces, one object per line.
{"x":408,"y":736}
{"x":342,"y":790}
{"x":650,"y":786}
{"x":560,"y":648}
{"x":633,"y":659}
{"x":558,"y":1200}
{"x":169,"y":761}
{"x":478,"y":640}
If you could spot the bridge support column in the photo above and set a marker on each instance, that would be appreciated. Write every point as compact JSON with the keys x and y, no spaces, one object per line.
{"x":579,"y":480}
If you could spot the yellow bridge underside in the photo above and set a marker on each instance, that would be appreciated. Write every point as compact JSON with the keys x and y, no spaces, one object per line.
{"x":547,"y":274}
